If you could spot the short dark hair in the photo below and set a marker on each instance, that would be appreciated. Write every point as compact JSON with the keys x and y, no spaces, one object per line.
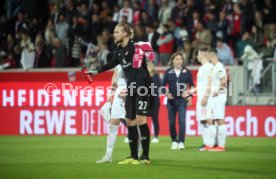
{"x":212,"y":50}
{"x":204,"y":49}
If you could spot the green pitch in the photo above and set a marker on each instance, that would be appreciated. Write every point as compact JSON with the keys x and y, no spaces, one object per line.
{"x":75,"y":156}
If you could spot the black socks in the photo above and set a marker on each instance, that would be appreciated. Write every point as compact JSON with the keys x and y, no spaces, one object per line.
{"x":145,"y":140}
{"x":133,"y":141}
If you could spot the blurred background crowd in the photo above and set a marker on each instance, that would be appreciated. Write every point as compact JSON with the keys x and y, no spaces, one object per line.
{"x":66,"y":33}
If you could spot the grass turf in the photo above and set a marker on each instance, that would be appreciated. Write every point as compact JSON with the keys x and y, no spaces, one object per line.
{"x":75,"y":156}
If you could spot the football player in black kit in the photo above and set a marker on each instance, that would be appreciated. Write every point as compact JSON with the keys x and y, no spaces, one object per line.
{"x":138,"y":92}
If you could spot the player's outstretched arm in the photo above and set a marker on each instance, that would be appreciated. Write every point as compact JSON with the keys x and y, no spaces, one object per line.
{"x":109,"y":65}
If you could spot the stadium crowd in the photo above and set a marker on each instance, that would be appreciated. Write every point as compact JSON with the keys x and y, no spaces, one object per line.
{"x":65,"y":33}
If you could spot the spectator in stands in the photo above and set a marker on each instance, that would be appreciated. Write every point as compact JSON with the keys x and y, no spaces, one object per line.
{"x":139,"y":33}
{"x":145,"y":19}
{"x":107,"y":38}
{"x":76,"y":28}
{"x":247,"y":15}
{"x":96,"y":9}
{"x":102,"y":54}
{"x":192,"y":23}
{"x":27,"y":55}
{"x":4,"y":28}
{"x":224,"y":53}
{"x":60,"y":54}
{"x":222,"y":27}
{"x":212,"y":25}
{"x":70,"y":11}
{"x":49,"y":34}
{"x":165,"y":43}
{"x":116,"y":13}
{"x":84,"y":14}
{"x":21,"y":22}
{"x":258,"y":20}
{"x":192,"y":17}
{"x":73,"y":46}
{"x":42,"y":54}
{"x":254,"y":64}
{"x":62,"y":28}
{"x":106,"y":10}
{"x":55,"y":13}
{"x":7,"y":54}
{"x":152,"y":37}
{"x":245,"y":40}
{"x":202,"y":37}
{"x":126,"y":11}
{"x":181,"y":35}
{"x":109,"y":24}
{"x":235,"y":17}
{"x":187,"y":52}
{"x":269,"y":19}
{"x":137,"y":10}
{"x":164,"y":13}
{"x":178,"y":13}
{"x":13,"y":7}
{"x":227,"y":8}
{"x":35,"y":27}
{"x":209,"y":6}
{"x":26,"y":43}
{"x":95,"y":28}
{"x":152,"y":10}
{"x":8,"y":47}
{"x":257,"y":37}
{"x":236,"y":24}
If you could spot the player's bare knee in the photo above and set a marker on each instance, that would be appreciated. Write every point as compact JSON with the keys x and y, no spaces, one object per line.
{"x":114,"y":121}
{"x":209,"y":122}
{"x":220,"y":122}
{"x":131,"y":122}
{"x":141,"y":119}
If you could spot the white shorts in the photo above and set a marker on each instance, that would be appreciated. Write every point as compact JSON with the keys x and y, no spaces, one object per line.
{"x":218,"y":106}
{"x":118,"y":105}
{"x":203,"y":113}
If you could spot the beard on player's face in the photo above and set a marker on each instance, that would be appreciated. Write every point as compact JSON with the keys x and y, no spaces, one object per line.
{"x":119,"y":40}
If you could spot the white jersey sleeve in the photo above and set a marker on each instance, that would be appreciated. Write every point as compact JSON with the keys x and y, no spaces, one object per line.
{"x":202,"y":80}
{"x":218,"y":73}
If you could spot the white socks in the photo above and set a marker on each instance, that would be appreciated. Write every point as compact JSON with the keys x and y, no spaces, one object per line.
{"x":210,"y":135}
{"x":111,"y":139}
{"x":204,"y":133}
{"x":214,"y":135}
{"x":221,"y":135}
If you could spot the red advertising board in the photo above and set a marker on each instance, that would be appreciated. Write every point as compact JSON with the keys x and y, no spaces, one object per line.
{"x":72,"y":108}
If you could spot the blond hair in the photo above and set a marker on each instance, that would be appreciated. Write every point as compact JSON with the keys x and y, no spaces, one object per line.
{"x":126,"y":28}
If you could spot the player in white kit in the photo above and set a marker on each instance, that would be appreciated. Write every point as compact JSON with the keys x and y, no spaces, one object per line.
{"x":117,"y":111}
{"x":219,"y":97}
{"x":203,"y":106}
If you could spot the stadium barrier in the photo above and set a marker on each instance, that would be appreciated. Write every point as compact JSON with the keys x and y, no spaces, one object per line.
{"x":50,"y":102}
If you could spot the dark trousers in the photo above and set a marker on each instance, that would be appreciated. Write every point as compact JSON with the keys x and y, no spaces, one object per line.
{"x":177,"y":105}
{"x":155,"y":114}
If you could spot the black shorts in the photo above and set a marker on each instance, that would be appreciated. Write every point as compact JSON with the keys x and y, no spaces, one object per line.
{"x":137,"y":105}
